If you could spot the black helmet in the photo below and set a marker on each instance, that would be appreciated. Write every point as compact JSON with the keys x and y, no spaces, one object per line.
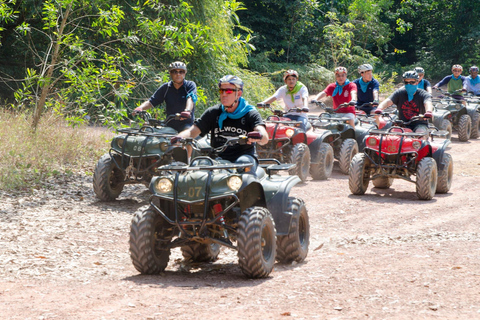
{"x":236,"y":81}
{"x":411,"y":74}
{"x":419,"y":70}
{"x":177,"y":65}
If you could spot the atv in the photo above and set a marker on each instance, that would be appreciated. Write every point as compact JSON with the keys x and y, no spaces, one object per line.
{"x":399,"y":153}
{"x":331,"y":128}
{"x":473,"y":107}
{"x":450,"y":112}
{"x":289,"y":143}
{"x":134,"y":156}
{"x":212,"y":203}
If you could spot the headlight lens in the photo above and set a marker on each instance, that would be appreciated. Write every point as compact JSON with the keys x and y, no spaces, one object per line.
{"x":120,"y":143}
{"x":163,"y":185}
{"x":416,"y":144}
{"x":371,"y":141}
{"x":163,"y":146}
{"x":234,"y":182}
{"x":458,"y":107}
{"x":289,"y":132}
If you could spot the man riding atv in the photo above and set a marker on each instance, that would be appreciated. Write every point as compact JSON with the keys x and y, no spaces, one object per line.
{"x":294,"y":95}
{"x":179,"y":95}
{"x":342,"y":91}
{"x":232,"y":118}
{"x":367,"y":89}
{"x":410,"y":102}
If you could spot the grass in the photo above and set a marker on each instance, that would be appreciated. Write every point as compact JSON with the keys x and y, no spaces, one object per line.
{"x":28,"y":158}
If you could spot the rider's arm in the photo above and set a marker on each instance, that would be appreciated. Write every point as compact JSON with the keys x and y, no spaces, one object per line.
{"x":375,"y":96}
{"x":189,"y":105}
{"x":385,"y":104}
{"x":191,"y":132}
{"x":144,"y":106}
{"x":353,"y":96}
{"x":264,"y":133}
{"x":428,"y":106}
{"x":320,"y":95}
{"x":269,"y":100}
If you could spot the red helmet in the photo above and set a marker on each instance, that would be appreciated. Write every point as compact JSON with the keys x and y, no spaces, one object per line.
{"x":290,"y":73}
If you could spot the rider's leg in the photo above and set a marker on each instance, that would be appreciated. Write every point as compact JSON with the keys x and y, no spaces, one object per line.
{"x":248,"y":159}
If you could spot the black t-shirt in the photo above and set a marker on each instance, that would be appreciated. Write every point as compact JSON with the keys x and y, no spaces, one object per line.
{"x":208,"y":123}
{"x":408,"y":109}
{"x":175,"y":100}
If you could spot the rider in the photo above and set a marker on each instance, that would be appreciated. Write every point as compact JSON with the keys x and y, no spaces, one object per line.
{"x":342,"y":92}
{"x":294,"y":95}
{"x":179,"y":95}
{"x":454,"y":82}
{"x":472,"y":82}
{"x":231,"y":118}
{"x":410,"y":101}
{"x":423,"y":83}
{"x":367,"y":89}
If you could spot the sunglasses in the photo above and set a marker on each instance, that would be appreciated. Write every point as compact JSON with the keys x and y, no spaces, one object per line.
{"x":227,"y":91}
{"x":177,"y":72}
{"x":456,"y":70}
{"x":409,"y":82}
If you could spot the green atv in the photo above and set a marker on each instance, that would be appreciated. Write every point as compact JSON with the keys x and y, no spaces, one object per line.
{"x":135,"y":155}
{"x":212,"y":203}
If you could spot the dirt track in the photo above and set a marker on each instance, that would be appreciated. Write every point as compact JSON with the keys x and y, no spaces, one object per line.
{"x":383,"y":255}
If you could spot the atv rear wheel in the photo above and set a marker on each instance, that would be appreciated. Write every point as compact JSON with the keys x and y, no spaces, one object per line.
{"x":201,"y":252}
{"x":348,"y":149}
{"x":322,"y":169}
{"x":426,"y":178}
{"x":382,"y":182}
{"x":475,"y":116}
{"x":464,"y":127}
{"x":150,"y":236}
{"x":108,"y":180}
{"x":445,"y":176}
{"x":359,"y":176}
{"x":447,"y":125}
{"x":294,"y":246}
{"x":300,"y":156}
{"x":256,"y":242}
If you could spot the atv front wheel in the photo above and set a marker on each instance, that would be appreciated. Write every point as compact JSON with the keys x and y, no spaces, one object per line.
{"x":150,"y":236}
{"x":108,"y":180}
{"x":300,"y":156}
{"x":382,"y":182}
{"x":464,"y":127}
{"x":445,"y":176}
{"x":201,"y":252}
{"x":322,"y":168}
{"x":348,"y":149}
{"x":426,"y":178}
{"x":447,"y":125}
{"x":256,"y":242}
{"x":359,"y":176}
{"x":475,"y":116}
{"x":294,"y":246}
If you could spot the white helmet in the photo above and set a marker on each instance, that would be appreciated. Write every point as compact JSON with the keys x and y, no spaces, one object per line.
{"x":177,"y":65}
{"x":365,"y":67}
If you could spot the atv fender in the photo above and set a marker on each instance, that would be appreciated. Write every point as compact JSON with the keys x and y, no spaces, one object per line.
{"x":278,"y":205}
{"x":251,"y":193}
{"x":438,"y":155}
{"x":439,"y":116}
{"x":314,"y":146}
{"x":348,"y":134}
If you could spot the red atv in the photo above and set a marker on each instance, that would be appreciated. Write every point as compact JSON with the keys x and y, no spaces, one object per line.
{"x":289,"y":143}
{"x":399,"y":153}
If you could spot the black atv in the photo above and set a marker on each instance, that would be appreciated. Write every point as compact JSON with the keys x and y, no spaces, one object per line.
{"x":212,"y":203}
{"x":135,"y":155}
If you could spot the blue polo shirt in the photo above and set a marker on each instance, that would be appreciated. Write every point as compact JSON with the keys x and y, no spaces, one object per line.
{"x":175,"y":101}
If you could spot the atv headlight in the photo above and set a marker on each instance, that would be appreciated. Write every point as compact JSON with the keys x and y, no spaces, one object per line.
{"x":163,"y":185}
{"x":416,"y":144}
{"x":289,"y":132}
{"x":234,"y":182}
{"x":371,"y":142}
{"x":120,"y":143}
{"x":458,"y":107}
{"x":163,"y":146}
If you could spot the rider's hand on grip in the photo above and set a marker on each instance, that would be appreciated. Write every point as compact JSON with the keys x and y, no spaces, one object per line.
{"x":375,"y":103}
{"x":305,"y":109}
{"x":254,"y":135}
{"x":313,"y":101}
{"x":186,"y":114}
{"x":428,"y":115}
{"x":176,"y":139}
{"x":352,"y":103}
{"x":378,"y":111}
{"x":137,"y":110}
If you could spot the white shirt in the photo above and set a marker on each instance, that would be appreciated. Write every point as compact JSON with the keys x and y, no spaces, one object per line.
{"x":297,"y":98}
{"x":470,"y":88}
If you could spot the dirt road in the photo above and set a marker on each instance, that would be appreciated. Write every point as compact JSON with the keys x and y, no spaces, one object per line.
{"x":384,"y":255}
